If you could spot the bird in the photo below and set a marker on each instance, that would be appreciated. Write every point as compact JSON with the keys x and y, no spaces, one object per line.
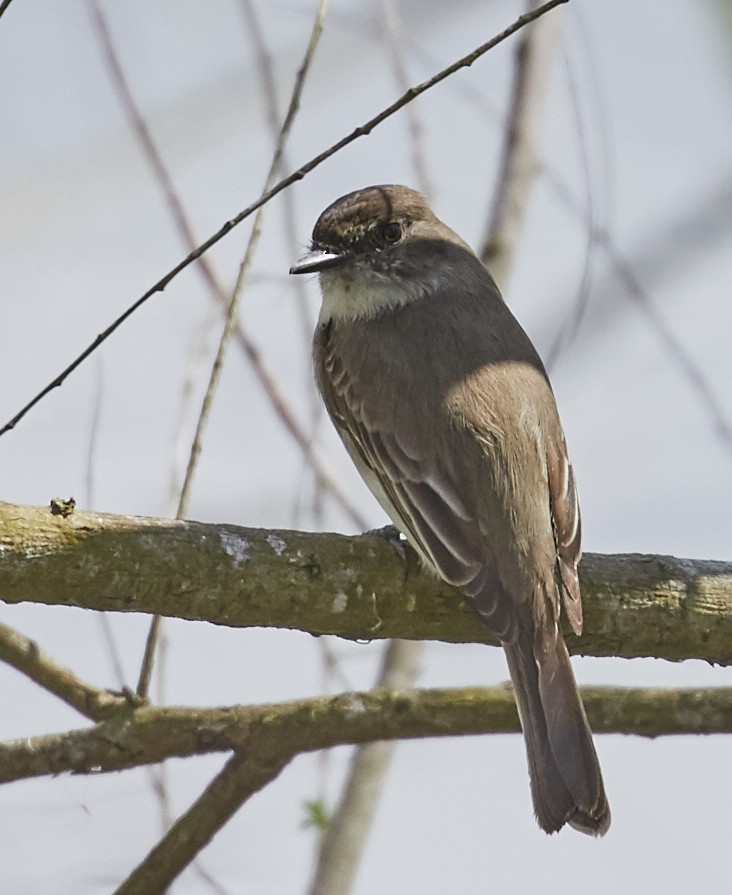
{"x":446,"y":410}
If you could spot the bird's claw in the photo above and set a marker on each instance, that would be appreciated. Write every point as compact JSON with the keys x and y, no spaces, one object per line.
{"x":391,"y":534}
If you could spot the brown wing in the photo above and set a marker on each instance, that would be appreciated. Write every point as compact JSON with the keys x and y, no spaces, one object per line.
{"x":567,"y":528}
{"x":417,"y":492}
{"x":428,"y":512}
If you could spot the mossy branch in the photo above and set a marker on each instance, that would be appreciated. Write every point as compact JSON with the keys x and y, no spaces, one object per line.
{"x":144,"y":735}
{"x":354,"y":587}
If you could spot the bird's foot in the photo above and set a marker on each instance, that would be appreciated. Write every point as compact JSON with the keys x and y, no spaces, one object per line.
{"x":391,"y":534}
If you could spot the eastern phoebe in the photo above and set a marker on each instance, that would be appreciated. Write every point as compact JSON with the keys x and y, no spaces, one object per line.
{"x":446,"y":409}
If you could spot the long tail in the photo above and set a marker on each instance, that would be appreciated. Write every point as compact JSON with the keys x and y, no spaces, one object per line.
{"x":566,"y":781}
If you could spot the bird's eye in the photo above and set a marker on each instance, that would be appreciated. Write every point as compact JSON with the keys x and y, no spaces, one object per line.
{"x":392,"y":231}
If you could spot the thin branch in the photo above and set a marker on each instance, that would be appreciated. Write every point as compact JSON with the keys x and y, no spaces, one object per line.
{"x":691,"y":370}
{"x":661,"y":256}
{"x":519,"y":160}
{"x":265,"y":68}
{"x":248,"y":257}
{"x":301,"y":172}
{"x":355,"y":587}
{"x":348,"y":828}
{"x":251,"y":353}
{"x":142,"y":131}
{"x":573,"y":321}
{"x":3,"y":7}
{"x":392,"y":29}
{"x":233,"y":309}
{"x":90,"y":495}
{"x":27,"y":657}
{"x":146,"y":735}
{"x":242,"y":776}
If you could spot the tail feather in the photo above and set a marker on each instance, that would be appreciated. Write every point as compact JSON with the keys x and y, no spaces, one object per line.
{"x":566,"y":781}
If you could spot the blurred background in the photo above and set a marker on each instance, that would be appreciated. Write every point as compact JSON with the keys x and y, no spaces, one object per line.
{"x":629,"y":221}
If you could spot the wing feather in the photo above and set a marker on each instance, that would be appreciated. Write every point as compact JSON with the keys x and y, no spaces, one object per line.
{"x":417,"y":489}
{"x":567,"y":523}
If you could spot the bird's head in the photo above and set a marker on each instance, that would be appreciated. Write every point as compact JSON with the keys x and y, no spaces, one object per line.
{"x":376,"y":249}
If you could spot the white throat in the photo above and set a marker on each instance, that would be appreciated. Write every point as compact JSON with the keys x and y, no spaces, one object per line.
{"x":353,"y":295}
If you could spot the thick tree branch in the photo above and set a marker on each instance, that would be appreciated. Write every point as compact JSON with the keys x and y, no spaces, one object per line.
{"x":355,"y":587}
{"x":145,"y":735}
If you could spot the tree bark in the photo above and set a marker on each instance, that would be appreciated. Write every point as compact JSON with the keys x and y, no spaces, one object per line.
{"x":144,"y":735}
{"x":354,"y":587}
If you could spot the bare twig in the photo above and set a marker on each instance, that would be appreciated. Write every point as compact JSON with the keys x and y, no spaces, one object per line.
{"x":148,"y":656}
{"x":138,"y":737}
{"x":216,"y":887}
{"x":252,"y":354}
{"x":3,"y":6}
{"x":519,"y":161}
{"x":103,"y":620}
{"x":28,"y":658}
{"x":215,"y":376}
{"x":348,"y":828}
{"x":391,"y":26}
{"x":265,"y":68}
{"x":709,"y":218}
{"x":301,"y":172}
{"x":572,"y":323}
{"x":242,"y":776}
